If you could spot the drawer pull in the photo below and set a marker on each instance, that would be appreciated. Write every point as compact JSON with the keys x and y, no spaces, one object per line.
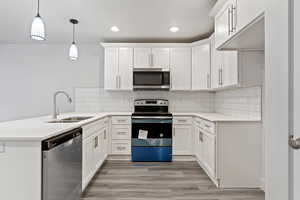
{"x":182,"y":120}
{"x":122,"y":133}
{"x":122,"y":120}
{"x":121,"y":148}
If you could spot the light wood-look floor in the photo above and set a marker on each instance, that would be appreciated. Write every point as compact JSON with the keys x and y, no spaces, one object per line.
{"x":124,"y":180}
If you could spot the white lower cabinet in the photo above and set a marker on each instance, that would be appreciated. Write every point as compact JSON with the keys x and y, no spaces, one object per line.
{"x":229,"y":152}
{"x":121,"y":135}
{"x":94,"y":149}
{"x":209,"y":152}
{"x":182,"y":136}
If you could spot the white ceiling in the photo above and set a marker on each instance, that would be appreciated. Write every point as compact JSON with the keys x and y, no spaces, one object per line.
{"x":139,"y":20}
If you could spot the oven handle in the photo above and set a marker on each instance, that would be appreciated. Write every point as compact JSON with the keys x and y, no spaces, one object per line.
{"x":150,"y":117}
{"x":152,"y":121}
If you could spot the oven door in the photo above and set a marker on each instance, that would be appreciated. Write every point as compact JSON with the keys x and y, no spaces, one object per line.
{"x":151,"y":80}
{"x":157,"y":146}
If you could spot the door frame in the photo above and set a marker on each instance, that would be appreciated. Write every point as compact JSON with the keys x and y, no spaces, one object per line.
{"x":277,"y":85}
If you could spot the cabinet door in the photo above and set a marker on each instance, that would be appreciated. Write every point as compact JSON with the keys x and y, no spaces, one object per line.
{"x":142,"y":57}
{"x":98,"y":158}
{"x":216,"y":65}
{"x":248,"y":10}
{"x":182,"y":140}
{"x":201,"y":67}
{"x":209,"y":157}
{"x":87,"y":160}
{"x":125,"y":68}
{"x":111,"y":68}
{"x":180,"y":62}
{"x":223,"y":24}
{"x":230,"y":68}
{"x":161,"y":57}
{"x":104,"y":143}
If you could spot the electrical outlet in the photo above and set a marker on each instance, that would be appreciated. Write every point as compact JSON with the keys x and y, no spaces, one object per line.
{"x":2,"y":147}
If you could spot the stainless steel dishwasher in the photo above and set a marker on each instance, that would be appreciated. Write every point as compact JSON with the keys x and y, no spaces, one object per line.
{"x":62,"y":166}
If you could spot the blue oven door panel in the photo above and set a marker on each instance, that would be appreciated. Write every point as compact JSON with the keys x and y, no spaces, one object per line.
{"x":151,"y":154}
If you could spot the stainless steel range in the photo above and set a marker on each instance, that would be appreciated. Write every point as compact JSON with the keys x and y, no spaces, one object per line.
{"x":151,"y":131}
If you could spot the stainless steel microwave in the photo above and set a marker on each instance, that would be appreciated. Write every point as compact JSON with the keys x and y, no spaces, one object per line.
{"x":151,"y":79}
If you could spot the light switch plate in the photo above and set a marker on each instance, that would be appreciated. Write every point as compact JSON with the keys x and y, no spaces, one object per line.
{"x":2,"y":147}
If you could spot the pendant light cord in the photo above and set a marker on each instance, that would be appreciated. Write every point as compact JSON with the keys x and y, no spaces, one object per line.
{"x":73,"y":33}
{"x":38,"y":8}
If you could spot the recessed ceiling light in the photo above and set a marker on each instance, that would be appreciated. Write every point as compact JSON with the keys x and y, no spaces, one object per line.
{"x":114,"y":29}
{"x":174,"y":29}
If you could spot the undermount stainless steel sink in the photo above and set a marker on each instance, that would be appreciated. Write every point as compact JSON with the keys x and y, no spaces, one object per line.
{"x":70,"y":120}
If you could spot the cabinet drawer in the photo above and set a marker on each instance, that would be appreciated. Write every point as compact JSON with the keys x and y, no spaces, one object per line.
{"x":208,"y":126}
{"x":93,"y":127}
{"x":121,"y":120}
{"x":121,"y":147}
{"x":182,"y":120}
{"x":121,"y":132}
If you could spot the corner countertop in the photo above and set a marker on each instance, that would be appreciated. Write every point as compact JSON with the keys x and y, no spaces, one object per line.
{"x":218,"y":117}
{"x":37,"y":129}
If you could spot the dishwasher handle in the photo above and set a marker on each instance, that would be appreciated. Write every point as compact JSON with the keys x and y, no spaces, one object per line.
{"x":60,"y":139}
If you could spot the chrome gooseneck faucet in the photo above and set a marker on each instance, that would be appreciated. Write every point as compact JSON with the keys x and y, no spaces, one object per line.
{"x":55,"y":113}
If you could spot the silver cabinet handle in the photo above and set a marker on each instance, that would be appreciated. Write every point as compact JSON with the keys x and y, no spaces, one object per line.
{"x":104,"y":134}
{"x":229,"y":21}
{"x":207,"y":81}
{"x":152,"y":60}
{"x":149,"y":59}
{"x":182,"y":120}
{"x":117,"y":78}
{"x":96,"y":142}
{"x":234,"y":18}
{"x":221,"y":76}
{"x":294,"y":143}
{"x":119,"y":81}
{"x":122,"y":133}
{"x":220,"y":83}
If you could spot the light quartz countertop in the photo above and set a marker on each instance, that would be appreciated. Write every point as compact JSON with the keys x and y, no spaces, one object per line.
{"x":218,"y":117}
{"x":37,"y":129}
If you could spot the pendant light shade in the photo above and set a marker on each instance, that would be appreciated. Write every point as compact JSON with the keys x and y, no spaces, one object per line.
{"x":73,"y":51}
{"x":38,"y":27}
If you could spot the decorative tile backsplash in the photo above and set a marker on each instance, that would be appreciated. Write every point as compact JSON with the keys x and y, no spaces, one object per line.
{"x":99,"y":100}
{"x":244,"y":102}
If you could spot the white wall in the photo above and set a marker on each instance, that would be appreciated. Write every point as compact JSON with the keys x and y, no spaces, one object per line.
{"x":277,"y":99}
{"x":30,"y":74}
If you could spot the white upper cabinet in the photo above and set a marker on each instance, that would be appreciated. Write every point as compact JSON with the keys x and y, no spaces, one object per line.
{"x":118,"y":68}
{"x":142,"y":57}
{"x":247,"y":11}
{"x":236,"y":68}
{"x":111,"y":70}
{"x":229,"y":71}
{"x":239,"y":24}
{"x":152,"y":57}
{"x":224,"y":23}
{"x":180,"y":65}
{"x":125,"y":68}
{"x":161,"y":57}
{"x":201,"y":67}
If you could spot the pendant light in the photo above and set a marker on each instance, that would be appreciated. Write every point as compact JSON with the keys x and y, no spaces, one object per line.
{"x":38,"y":27}
{"x":73,"y":52}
